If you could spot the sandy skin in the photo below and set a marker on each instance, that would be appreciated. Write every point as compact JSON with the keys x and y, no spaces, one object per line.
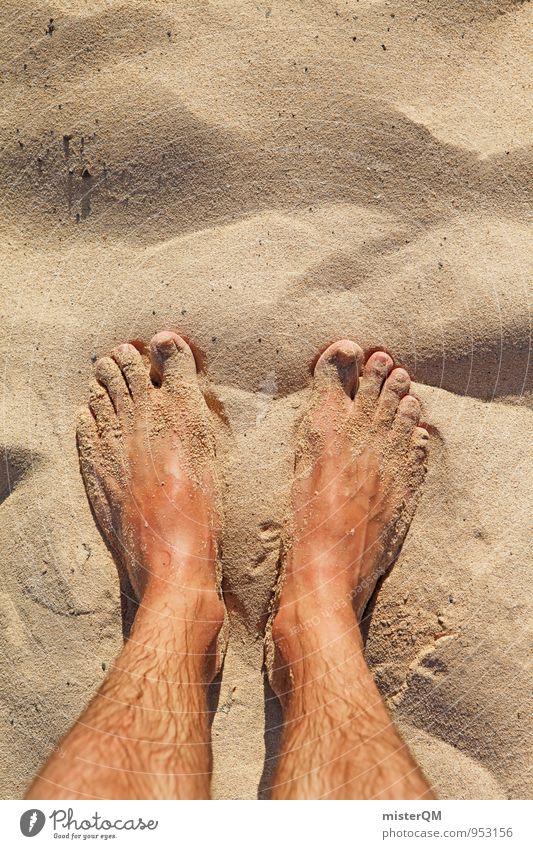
{"x":147,"y":455}
{"x":360,"y":461}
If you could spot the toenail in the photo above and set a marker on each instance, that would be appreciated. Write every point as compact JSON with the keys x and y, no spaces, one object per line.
{"x":166,"y":343}
{"x":381,"y":361}
{"x":409,"y":406}
{"x":164,"y":339}
{"x":165,"y":346}
{"x":400,"y":376}
{"x":343,"y":354}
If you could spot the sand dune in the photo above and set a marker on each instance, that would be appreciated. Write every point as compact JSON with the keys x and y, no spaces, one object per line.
{"x":265,"y":180}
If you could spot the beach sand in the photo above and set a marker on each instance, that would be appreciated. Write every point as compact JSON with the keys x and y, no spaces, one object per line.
{"x":264,"y":178}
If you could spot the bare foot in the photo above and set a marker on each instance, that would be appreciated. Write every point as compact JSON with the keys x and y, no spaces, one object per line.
{"x":360,"y":461}
{"x":147,"y":455}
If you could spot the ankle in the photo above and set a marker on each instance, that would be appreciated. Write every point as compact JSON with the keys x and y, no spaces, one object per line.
{"x":314,"y":613}
{"x":314,"y":634}
{"x":175,"y":569}
{"x":194,"y":616}
{"x":313,"y":665}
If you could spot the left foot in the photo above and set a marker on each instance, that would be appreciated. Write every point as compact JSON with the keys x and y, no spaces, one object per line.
{"x":147,"y":456}
{"x":361,"y":459}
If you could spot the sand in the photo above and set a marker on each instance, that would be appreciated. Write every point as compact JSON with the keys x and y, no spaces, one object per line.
{"x":264,"y":178}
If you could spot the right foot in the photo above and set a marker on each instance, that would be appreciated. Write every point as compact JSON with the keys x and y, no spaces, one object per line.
{"x":361,"y":459}
{"x":147,"y":457}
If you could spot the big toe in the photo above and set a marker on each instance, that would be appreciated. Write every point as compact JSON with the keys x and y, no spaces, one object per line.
{"x":337,"y":369}
{"x":172,"y":360}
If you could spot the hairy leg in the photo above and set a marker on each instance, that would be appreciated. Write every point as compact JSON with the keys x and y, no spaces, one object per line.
{"x":146,"y":734}
{"x":359,"y":466}
{"x":147,"y":459}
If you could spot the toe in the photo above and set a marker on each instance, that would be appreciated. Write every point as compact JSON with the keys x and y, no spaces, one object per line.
{"x":420,"y":445}
{"x":134,"y":372}
{"x":376,"y":370}
{"x":109,"y":375}
{"x":173,"y":362}
{"x":87,"y":435}
{"x":88,"y":444}
{"x":338,"y":369}
{"x":405,"y":421}
{"x":394,"y":389}
{"x":101,"y":407}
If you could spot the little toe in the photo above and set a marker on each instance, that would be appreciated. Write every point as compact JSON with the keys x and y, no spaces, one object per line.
{"x":420,"y":445}
{"x":87,"y":438}
{"x":110,"y":376}
{"x":394,"y":389}
{"x":130,"y":362}
{"x":88,"y":444}
{"x":173,"y":362}
{"x":101,"y":407}
{"x":405,"y":421}
{"x":376,"y":370}
{"x":338,"y":369}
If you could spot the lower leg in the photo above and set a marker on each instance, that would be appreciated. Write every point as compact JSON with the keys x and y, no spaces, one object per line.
{"x":338,"y":740}
{"x":146,"y":734}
